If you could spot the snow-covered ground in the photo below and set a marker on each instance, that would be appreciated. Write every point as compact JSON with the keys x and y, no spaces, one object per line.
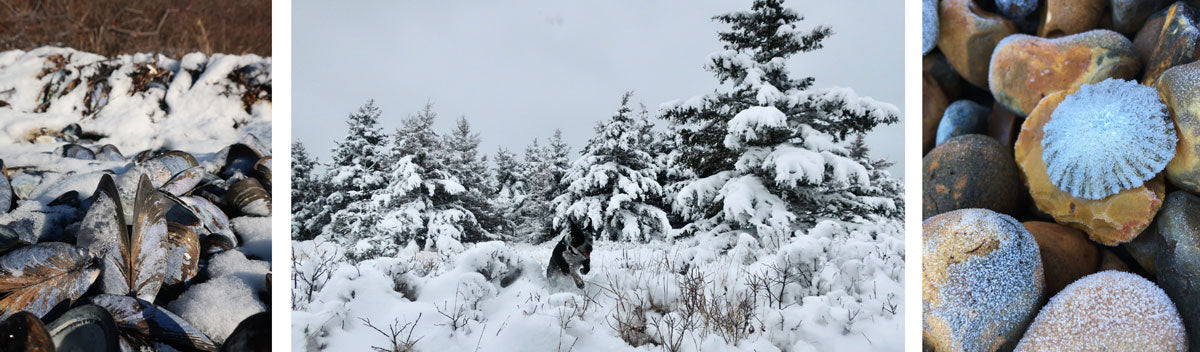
{"x":838,"y":285}
{"x":198,"y":104}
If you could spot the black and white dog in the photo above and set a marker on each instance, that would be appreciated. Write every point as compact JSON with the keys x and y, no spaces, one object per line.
{"x":573,"y":252}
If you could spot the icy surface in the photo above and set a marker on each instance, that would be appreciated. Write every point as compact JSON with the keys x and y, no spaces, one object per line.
{"x":1109,"y":310}
{"x":1107,"y":137}
{"x":929,"y":25}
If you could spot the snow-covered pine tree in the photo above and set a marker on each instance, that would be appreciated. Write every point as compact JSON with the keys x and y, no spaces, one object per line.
{"x":509,"y":191}
{"x":358,"y":170}
{"x":464,"y":162}
{"x":308,"y":189}
{"x":533,"y":212}
{"x":888,"y":190}
{"x":768,"y":151}
{"x":423,"y":202}
{"x":612,"y":187}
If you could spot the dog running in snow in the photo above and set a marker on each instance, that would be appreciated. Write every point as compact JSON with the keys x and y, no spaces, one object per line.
{"x":573,"y":252}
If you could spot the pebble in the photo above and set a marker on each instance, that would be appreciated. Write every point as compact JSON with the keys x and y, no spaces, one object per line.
{"x":1067,"y":17}
{"x":1024,"y":68}
{"x":1003,"y":125}
{"x":1178,"y":42}
{"x":971,"y":171}
{"x":1178,"y":258}
{"x":933,"y":105}
{"x":1107,"y":311}
{"x":1016,"y":9}
{"x":961,"y":118}
{"x":1066,"y":253}
{"x":1129,"y":15}
{"x":929,"y":25}
{"x":1117,"y":218}
{"x":982,"y":280}
{"x":967,"y":34}
{"x":1178,"y":87}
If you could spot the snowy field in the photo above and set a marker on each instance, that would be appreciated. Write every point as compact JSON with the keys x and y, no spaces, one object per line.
{"x":69,"y":119}
{"x":836,"y":287}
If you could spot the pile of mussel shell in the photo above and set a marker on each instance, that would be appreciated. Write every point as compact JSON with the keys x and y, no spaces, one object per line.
{"x":95,"y":273}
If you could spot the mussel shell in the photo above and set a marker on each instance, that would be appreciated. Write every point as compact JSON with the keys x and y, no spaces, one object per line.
{"x":184,"y":181}
{"x":109,"y":152}
{"x":142,"y":319}
{"x":8,"y":197}
{"x":10,"y":239}
{"x":252,"y":334}
{"x":249,"y":197}
{"x":69,"y":198}
{"x":213,"y":189}
{"x":239,"y":160}
{"x":24,"y":332}
{"x":215,"y":222}
{"x":183,"y":253}
{"x":76,"y":151}
{"x":24,"y":182}
{"x":163,"y":166}
{"x":72,"y":132}
{"x":262,"y":172}
{"x":85,"y":328}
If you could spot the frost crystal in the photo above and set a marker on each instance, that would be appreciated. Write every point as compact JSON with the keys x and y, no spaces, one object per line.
{"x":1107,"y":137}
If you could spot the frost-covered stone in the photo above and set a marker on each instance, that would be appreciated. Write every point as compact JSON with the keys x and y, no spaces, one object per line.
{"x":1107,"y":137}
{"x":1107,"y":311}
{"x":1179,"y":90}
{"x":961,"y":118}
{"x":1066,"y":253}
{"x":967,"y":34}
{"x":1067,"y":17}
{"x":981,"y":280}
{"x":971,"y":171}
{"x":929,"y":25}
{"x":1016,"y":9}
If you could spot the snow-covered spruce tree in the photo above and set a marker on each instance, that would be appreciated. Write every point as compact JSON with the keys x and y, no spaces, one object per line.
{"x":358,"y":170}
{"x":610,"y":189}
{"x":539,"y":174}
{"x":768,"y":152}
{"x":308,"y":189}
{"x":509,"y":192}
{"x":464,"y":162}
{"x":888,"y":191}
{"x":422,"y":203}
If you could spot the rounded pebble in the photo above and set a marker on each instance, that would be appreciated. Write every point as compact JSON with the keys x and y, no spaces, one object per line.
{"x":971,"y":171}
{"x":962,"y":117}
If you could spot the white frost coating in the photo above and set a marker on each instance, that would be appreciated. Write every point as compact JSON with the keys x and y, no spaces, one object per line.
{"x":1109,"y":310}
{"x":929,"y":25}
{"x":1107,"y":137}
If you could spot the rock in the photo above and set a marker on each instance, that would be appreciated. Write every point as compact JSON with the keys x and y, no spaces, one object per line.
{"x":982,"y":280}
{"x":933,"y":105}
{"x":1178,"y":42}
{"x":1003,"y":125}
{"x":1107,"y":311}
{"x":1129,"y":15}
{"x":971,"y":171}
{"x":1144,"y":247}
{"x":1067,"y":255}
{"x":1115,"y":219}
{"x":961,"y":118}
{"x":1178,"y":87}
{"x":935,"y":64}
{"x":1025,"y":68}
{"x":1066,"y":17}
{"x":1016,"y":9}
{"x":1110,"y":261}
{"x":929,"y":25}
{"x":967,"y":34}
{"x":1147,"y":37}
{"x":1178,"y":257}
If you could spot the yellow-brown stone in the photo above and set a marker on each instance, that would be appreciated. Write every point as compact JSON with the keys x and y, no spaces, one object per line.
{"x":1178,"y":42}
{"x":1067,"y":254}
{"x":933,"y":105}
{"x":1026,"y":68}
{"x":967,"y":35}
{"x":1110,"y":261}
{"x":1114,"y":219}
{"x":1179,"y":87}
{"x":1066,"y":17}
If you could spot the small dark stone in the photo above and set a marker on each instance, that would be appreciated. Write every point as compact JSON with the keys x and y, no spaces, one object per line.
{"x":962,"y":117}
{"x":1178,"y":259}
{"x":971,"y":171}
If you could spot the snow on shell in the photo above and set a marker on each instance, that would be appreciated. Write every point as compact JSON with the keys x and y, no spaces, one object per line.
{"x":39,"y":277}
{"x":1107,"y":137}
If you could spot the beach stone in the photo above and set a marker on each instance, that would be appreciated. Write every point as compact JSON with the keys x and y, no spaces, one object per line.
{"x":929,"y":25}
{"x":1147,"y":37}
{"x":1114,"y":219}
{"x":1144,"y":247}
{"x":935,"y":64}
{"x":982,"y":280}
{"x":1067,"y":254}
{"x":1179,"y":87}
{"x":1003,"y":125}
{"x":1129,"y":15}
{"x":1178,"y":258}
{"x":971,"y":171}
{"x":962,"y":117}
{"x":1066,"y":17}
{"x":933,"y":106}
{"x":1178,"y":42}
{"x":1111,"y":261}
{"x":1107,"y":311}
{"x":1025,"y":68}
{"x":1016,"y":9}
{"x":967,"y":34}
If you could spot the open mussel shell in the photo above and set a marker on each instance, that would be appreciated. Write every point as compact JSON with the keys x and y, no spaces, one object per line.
{"x":8,"y":197}
{"x":183,"y":253}
{"x":134,"y":258}
{"x":183,"y":181}
{"x":109,"y":152}
{"x":39,"y":277}
{"x":163,"y":166}
{"x":10,"y":239}
{"x":262,"y":172}
{"x":239,"y":161}
{"x":68,"y":198}
{"x":249,"y":197}
{"x":252,"y":334}
{"x":218,"y":233}
{"x":76,"y":151}
{"x":143,"y":320}
{"x":24,"y":332}
{"x":213,"y":189}
{"x":85,"y":328}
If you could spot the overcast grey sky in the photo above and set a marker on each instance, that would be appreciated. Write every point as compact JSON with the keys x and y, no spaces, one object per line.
{"x":519,"y":69}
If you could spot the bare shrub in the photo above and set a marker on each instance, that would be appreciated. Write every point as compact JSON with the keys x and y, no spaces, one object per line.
{"x":399,"y":344}
{"x":307,"y":284}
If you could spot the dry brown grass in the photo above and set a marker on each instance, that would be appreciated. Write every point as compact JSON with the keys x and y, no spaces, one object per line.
{"x":109,"y":28}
